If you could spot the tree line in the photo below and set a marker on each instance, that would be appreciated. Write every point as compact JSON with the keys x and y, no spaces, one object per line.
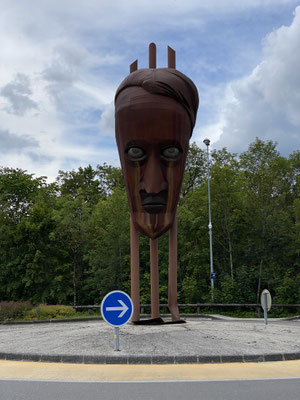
{"x":67,"y":242}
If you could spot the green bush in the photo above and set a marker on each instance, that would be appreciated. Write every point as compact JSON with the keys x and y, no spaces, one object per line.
{"x":11,"y":310}
{"x":50,"y":312}
{"x":288,"y":291}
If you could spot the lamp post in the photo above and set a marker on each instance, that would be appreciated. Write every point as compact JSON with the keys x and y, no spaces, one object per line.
{"x":207,"y":143}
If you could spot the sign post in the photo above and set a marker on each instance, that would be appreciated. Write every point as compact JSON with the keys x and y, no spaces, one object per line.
{"x":116,"y":337}
{"x":116,"y":310}
{"x":266,"y":302}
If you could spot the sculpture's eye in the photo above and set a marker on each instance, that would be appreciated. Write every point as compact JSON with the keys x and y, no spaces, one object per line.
{"x":171,"y":153}
{"x":136,"y":153}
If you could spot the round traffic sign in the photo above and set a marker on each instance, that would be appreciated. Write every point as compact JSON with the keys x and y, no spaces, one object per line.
{"x":116,"y":308}
{"x":265,"y":292}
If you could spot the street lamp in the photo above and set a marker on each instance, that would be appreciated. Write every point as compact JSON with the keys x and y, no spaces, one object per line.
{"x":212,"y":275}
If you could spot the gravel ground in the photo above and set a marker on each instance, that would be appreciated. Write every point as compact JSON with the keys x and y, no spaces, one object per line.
{"x":202,"y":337}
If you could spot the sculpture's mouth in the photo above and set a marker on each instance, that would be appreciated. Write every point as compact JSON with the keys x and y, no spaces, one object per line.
{"x":154,"y":203}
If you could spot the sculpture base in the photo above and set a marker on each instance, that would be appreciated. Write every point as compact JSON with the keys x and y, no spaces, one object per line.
{"x":157,"y":321}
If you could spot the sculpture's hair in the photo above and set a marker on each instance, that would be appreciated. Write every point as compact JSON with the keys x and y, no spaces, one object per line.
{"x":165,"y":82}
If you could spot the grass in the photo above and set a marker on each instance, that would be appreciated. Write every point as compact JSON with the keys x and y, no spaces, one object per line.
{"x":10,"y":311}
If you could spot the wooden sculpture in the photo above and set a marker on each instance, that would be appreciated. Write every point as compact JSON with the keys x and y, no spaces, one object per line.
{"x":155,"y":113}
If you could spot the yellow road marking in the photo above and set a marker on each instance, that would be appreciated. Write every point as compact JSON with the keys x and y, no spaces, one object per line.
{"x":100,"y":372}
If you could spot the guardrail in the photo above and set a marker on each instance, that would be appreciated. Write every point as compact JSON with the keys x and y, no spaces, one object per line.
{"x":198,"y":306}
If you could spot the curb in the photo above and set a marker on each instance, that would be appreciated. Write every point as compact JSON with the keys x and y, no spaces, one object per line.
{"x":48,"y":321}
{"x":198,"y":316}
{"x":188,"y":359}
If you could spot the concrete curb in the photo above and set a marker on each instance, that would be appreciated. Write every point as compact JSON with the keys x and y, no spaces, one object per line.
{"x":126,"y":359}
{"x":48,"y":321}
{"x":198,"y":316}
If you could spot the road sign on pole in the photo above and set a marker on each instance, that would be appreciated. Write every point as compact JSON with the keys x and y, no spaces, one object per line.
{"x":269,"y":299}
{"x":266,"y":302}
{"x":116,"y":308}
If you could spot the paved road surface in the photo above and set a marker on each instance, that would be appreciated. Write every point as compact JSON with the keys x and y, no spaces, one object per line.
{"x":288,"y":389}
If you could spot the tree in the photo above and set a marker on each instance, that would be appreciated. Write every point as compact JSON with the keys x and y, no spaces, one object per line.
{"x":267,"y":183}
{"x":108,"y":250}
{"x":80,"y":192}
{"x":18,"y":191}
{"x":226,"y":205}
{"x":195,"y":169}
{"x":193,"y":247}
{"x":110,"y":178}
{"x":83,"y":183}
{"x":28,"y":259}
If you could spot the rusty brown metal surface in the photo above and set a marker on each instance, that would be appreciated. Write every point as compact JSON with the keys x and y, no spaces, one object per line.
{"x":135,"y":271}
{"x":151,"y":126}
{"x":172,"y":284}
{"x":133,"y":67}
{"x":171,"y":58}
{"x":152,"y":55}
{"x":154,"y":110}
{"x":167,"y":82}
{"x":155,"y":113}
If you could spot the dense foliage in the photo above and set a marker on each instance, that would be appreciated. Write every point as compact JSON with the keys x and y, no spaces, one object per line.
{"x":68,"y":242}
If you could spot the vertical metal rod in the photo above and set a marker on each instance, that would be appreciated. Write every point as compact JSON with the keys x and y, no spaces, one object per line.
{"x":172,"y":287}
{"x":265,"y":308}
{"x":135,"y":271}
{"x":171,"y":58}
{"x":152,"y":55}
{"x":116,"y":337}
{"x":133,"y":67}
{"x":207,"y":142}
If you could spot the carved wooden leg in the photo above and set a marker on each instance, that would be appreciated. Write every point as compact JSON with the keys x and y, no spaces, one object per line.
{"x":154,"y":278}
{"x":135,"y":271}
{"x":172,"y":289}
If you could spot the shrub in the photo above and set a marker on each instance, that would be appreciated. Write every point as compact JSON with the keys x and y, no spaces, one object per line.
{"x":11,"y":310}
{"x":50,"y":312}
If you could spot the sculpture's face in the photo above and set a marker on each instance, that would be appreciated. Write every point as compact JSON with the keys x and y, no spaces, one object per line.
{"x":152,"y":136}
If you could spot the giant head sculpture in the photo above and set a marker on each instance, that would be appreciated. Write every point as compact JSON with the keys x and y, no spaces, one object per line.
{"x":155,"y":112}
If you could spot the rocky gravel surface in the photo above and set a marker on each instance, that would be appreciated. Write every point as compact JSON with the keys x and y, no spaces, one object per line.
{"x":201,"y":337}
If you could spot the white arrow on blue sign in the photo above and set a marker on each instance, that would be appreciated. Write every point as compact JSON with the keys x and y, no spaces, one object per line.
{"x":116,"y":308}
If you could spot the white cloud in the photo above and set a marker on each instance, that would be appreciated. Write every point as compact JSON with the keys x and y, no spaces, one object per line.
{"x":63,"y":60}
{"x":107,"y":122}
{"x":265,"y":103}
{"x":17,"y":93}
{"x":12,"y":142}
{"x":48,"y":84}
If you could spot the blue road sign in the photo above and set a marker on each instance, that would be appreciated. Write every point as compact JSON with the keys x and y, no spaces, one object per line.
{"x":213,"y":275}
{"x":116,"y":308}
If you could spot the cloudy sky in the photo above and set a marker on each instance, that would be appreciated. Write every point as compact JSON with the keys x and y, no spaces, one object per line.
{"x":62,"y":61}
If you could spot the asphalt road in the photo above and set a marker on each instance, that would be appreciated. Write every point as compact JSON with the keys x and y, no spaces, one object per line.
{"x":268,"y":380}
{"x":275,"y":389}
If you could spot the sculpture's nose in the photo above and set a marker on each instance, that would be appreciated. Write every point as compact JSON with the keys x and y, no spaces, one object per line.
{"x":153,"y":180}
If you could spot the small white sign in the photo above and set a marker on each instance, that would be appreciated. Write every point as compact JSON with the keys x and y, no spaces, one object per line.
{"x":269,"y":299}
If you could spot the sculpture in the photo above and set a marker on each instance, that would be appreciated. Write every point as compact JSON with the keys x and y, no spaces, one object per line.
{"x":155,"y":112}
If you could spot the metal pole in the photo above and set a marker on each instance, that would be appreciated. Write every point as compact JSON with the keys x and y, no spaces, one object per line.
{"x":135,"y":270}
{"x":116,"y":337}
{"x":265,"y":309}
{"x":207,"y":142}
